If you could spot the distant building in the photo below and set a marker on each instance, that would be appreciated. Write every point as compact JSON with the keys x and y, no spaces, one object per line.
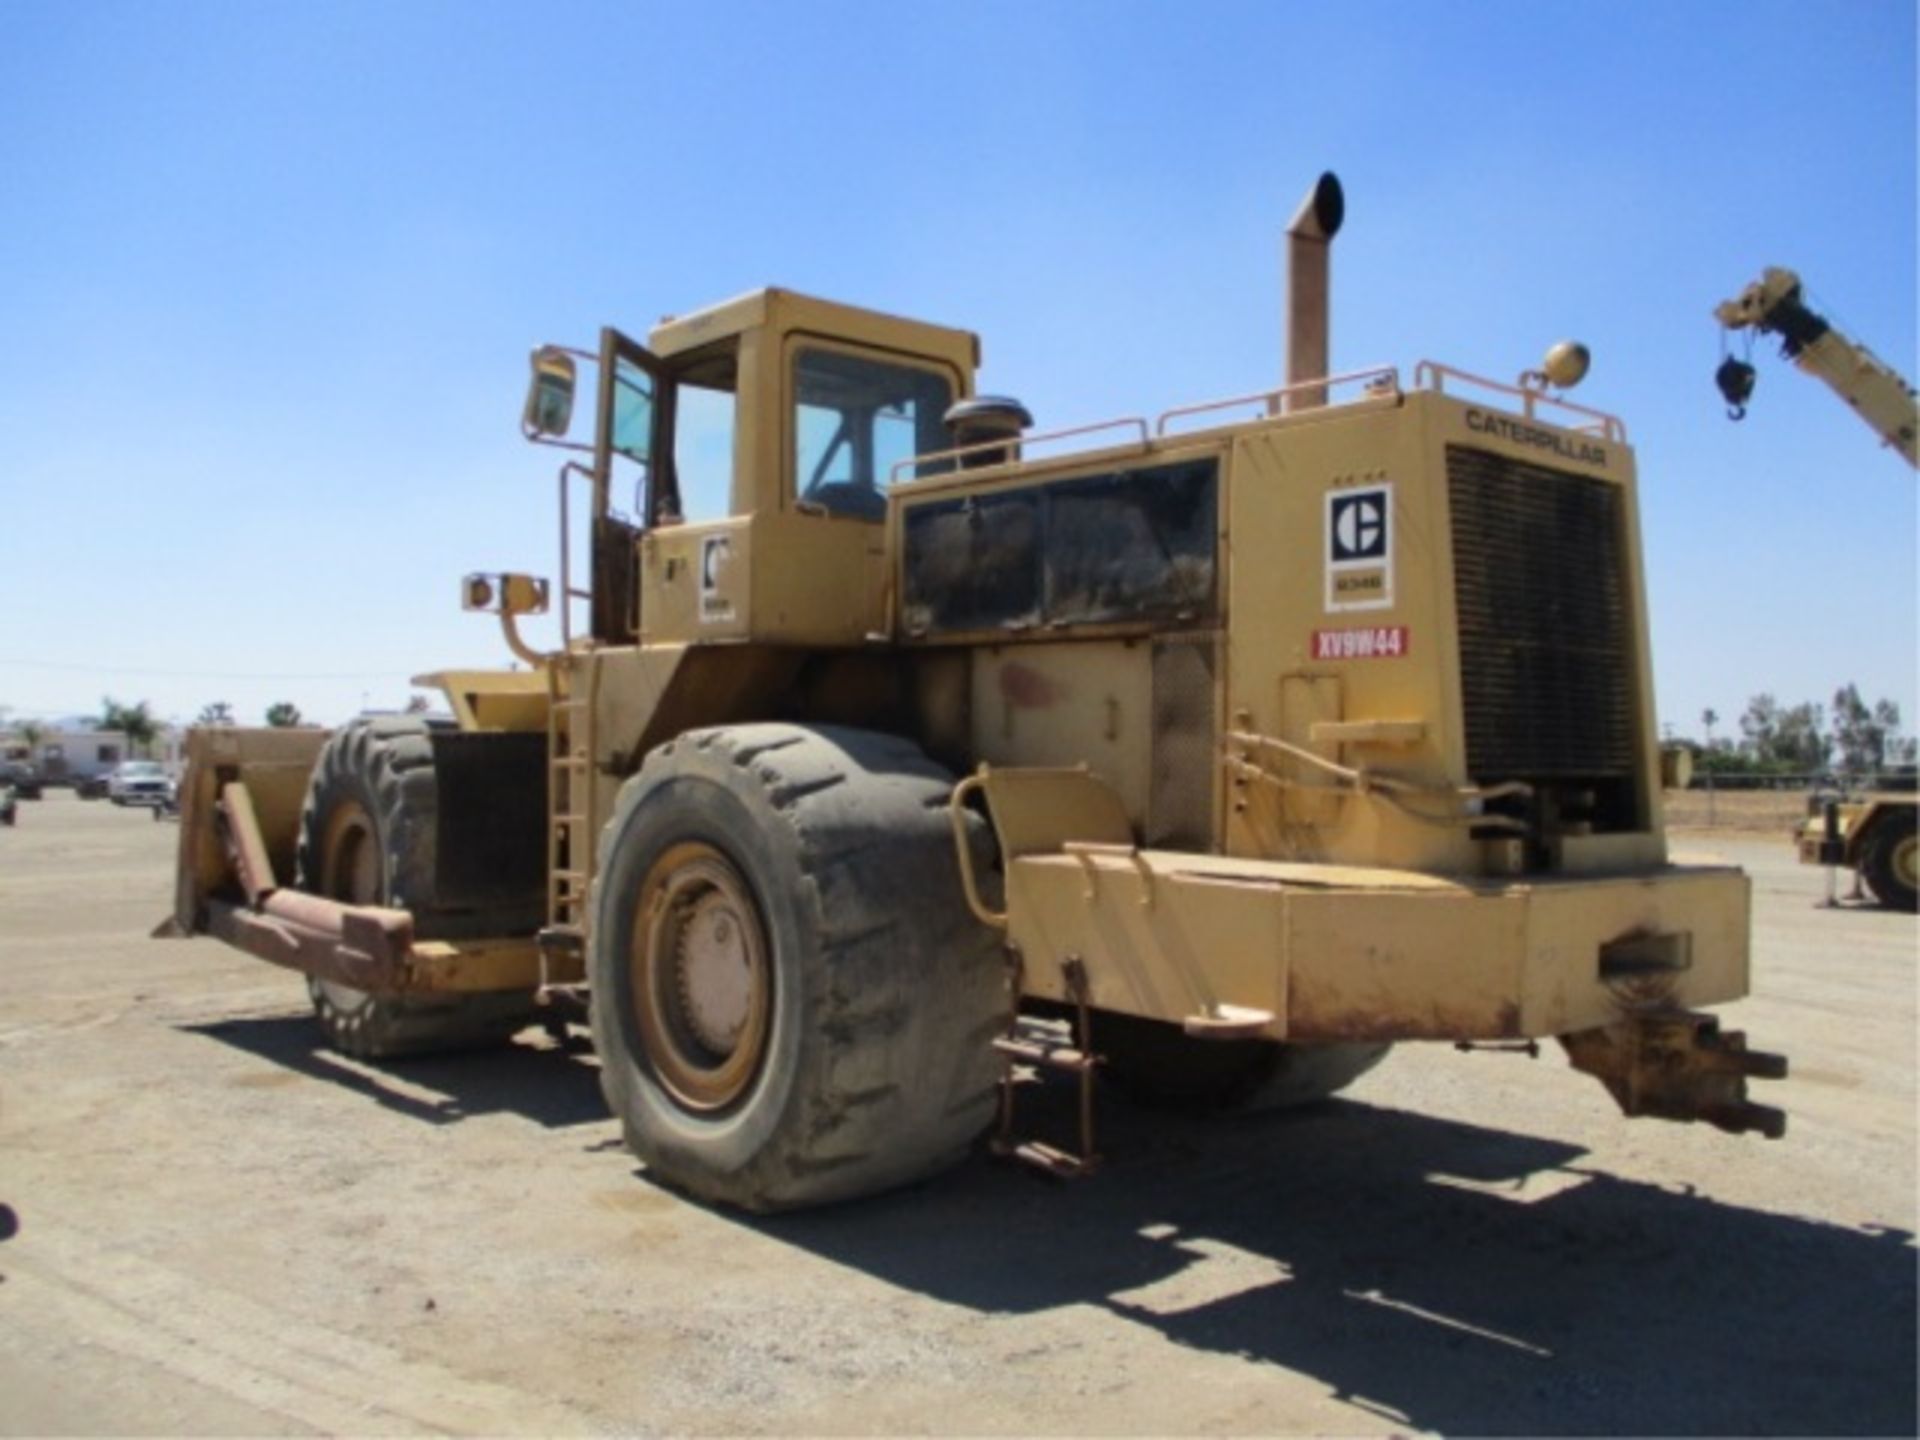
{"x":69,"y":751}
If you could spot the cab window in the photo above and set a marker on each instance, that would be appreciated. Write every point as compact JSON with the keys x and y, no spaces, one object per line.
{"x":704,"y":406}
{"x":855,"y":418}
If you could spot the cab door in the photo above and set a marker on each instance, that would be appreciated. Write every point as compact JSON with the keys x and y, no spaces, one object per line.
{"x":631,"y":487}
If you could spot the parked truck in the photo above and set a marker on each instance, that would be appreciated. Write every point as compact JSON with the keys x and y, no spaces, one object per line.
{"x":892,"y":750}
{"x":1874,"y":836}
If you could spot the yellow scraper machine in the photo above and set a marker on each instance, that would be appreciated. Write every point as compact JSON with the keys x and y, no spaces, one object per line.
{"x":891,"y":750}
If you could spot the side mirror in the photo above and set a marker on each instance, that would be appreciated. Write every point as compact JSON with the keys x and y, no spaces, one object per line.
{"x":549,"y":394}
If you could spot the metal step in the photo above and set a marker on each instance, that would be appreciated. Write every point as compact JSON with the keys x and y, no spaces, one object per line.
{"x":1050,"y":1045}
{"x":1034,"y":1049}
{"x":567,"y":939}
{"x":1048,"y":1159}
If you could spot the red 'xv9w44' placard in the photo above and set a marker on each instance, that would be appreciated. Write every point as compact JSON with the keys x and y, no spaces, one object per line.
{"x":1361,"y":642}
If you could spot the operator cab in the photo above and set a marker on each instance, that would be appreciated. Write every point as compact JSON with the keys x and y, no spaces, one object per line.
{"x":772,"y":423}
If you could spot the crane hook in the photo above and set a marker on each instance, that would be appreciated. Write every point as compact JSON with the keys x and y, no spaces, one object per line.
{"x":1735,"y":379}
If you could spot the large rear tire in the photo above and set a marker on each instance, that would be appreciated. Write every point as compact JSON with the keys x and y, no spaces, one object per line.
{"x":1890,"y":860}
{"x":792,"y":1002}
{"x":1154,"y":1063}
{"x":367,"y":837}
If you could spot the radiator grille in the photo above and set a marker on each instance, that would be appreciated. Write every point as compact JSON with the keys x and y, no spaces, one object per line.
{"x":1540,"y":584}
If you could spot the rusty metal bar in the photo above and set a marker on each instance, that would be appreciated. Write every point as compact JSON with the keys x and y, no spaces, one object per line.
{"x":245,"y":845}
{"x":370,"y":948}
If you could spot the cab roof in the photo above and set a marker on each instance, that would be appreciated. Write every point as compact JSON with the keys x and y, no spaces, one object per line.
{"x":788,"y":311}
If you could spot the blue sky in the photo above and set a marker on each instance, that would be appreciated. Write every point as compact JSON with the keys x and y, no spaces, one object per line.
{"x":269,"y":274}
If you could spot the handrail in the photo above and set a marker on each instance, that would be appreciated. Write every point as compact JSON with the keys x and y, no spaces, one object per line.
{"x":567,"y":591}
{"x":1379,"y":382}
{"x":1372,"y":377}
{"x":1022,"y":441}
{"x":1431,"y":374}
{"x":957,"y":814}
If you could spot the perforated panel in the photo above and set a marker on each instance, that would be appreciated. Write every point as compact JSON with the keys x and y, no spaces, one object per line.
{"x":1545,"y":660}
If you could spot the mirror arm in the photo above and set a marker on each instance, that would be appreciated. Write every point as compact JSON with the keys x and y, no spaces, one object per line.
{"x":528,"y":433}
{"x":510,"y":629}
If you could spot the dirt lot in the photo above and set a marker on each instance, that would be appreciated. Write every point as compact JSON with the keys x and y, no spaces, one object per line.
{"x":1773,"y":813}
{"x":224,"y":1229}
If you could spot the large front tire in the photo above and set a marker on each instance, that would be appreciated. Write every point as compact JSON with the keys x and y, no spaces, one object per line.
{"x":792,"y":1003}
{"x":367,"y":838}
{"x":1889,"y":862}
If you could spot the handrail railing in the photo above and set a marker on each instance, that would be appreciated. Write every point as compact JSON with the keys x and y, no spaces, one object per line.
{"x":1432,"y":375}
{"x":1380,"y":380}
{"x":568,"y":591}
{"x":1022,"y":441}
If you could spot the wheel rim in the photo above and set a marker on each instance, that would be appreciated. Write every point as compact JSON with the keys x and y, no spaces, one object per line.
{"x":1906,"y":860}
{"x":702,"y":990}
{"x":350,"y":870}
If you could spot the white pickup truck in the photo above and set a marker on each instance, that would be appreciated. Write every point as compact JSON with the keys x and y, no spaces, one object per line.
{"x":138,"y":782}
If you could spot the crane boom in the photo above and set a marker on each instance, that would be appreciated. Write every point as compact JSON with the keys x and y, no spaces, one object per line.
{"x":1773,"y":305}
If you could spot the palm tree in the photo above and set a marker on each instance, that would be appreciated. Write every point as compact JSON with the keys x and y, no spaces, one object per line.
{"x":136,"y":722}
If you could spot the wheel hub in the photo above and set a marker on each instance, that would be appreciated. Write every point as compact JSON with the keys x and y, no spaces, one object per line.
{"x":702,"y":987}
{"x":716,"y":972}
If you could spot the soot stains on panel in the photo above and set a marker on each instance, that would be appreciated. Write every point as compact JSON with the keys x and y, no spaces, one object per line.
{"x":1131,"y":546}
{"x":1134,"y":546}
{"x":973,"y":564}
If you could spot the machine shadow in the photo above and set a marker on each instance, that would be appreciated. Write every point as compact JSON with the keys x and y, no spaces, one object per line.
{"x":533,"y":1078}
{"x":1447,"y":1276}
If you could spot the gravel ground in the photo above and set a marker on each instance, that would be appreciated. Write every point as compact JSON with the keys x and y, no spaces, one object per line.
{"x":225,"y":1229}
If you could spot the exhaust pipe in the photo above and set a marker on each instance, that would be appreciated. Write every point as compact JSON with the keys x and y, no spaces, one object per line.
{"x":1309,"y":238}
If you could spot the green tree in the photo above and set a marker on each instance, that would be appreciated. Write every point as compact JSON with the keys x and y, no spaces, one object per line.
{"x":218,"y":713}
{"x":1867,"y":739}
{"x":1783,"y":738}
{"x":136,"y":722}
{"x":1801,"y":743}
{"x":283,"y":714}
{"x":1893,"y":750}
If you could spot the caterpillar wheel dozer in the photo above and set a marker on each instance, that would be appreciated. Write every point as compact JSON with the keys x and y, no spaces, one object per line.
{"x":892,"y":750}
{"x":1874,"y":836}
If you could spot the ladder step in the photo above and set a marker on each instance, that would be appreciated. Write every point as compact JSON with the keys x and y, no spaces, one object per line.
{"x":1041,"y":1052}
{"x":1049,"y":1159}
{"x":566,"y":939}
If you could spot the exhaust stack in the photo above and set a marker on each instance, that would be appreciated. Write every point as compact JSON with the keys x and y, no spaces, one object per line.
{"x":1309,"y":237}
